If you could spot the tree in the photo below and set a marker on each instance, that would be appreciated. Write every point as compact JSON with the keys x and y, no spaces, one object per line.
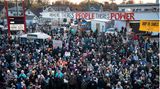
{"x":75,"y":7}
{"x":66,"y":3}
{"x":58,"y":3}
{"x":113,"y":6}
{"x":123,"y":2}
{"x":83,"y":5}
{"x":33,"y":4}
{"x":112,"y":1}
{"x":42,"y":2}
{"x":39,"y":1}
{"x":106,"y":6}
{"x":46,"y":2}
{"x":29,"y":3}
{"x":1,"y":1}
{"x":130,"y":2}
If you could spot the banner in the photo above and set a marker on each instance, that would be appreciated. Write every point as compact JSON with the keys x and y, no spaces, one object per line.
{"x":90,"y":15}
{"x":122,"y":16}
{"x":149,"y":25}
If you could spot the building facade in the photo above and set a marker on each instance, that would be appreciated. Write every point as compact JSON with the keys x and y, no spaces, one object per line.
{"x":142,"y":12}
{"x":139,"y":7}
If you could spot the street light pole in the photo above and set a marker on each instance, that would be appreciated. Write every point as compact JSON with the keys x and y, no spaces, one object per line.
{"x":17,"y":7}
{"x":6,"y":7}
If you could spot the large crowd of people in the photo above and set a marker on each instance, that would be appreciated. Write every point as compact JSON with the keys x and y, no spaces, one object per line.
{"x":96,"y":61}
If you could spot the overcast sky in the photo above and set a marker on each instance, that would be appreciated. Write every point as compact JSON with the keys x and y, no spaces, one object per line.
{"x":117,"y":1}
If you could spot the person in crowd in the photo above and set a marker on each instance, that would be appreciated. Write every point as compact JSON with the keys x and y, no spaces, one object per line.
{"x":96,"y":61}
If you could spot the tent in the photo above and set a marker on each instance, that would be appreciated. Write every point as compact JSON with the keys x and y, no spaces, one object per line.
{"x":36,"y":35}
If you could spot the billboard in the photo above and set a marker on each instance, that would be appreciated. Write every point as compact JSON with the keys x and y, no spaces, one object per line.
{"x":149,"y":25}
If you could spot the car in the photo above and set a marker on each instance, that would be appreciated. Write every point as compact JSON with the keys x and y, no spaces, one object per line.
{"x":111,"y":31}
{"x":155,"y":34}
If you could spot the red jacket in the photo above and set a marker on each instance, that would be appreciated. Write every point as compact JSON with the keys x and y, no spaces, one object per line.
{"x":135,"y":37}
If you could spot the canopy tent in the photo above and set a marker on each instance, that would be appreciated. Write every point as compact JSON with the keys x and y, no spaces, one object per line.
{"x":36,"y":35}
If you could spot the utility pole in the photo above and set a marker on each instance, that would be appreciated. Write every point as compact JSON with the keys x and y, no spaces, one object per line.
{"x":17,"y":7}
{"x":89,"y":5}
{"x":28,"y":4}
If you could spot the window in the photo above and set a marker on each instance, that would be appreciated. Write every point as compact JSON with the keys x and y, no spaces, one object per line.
{"x":138,"y":10}
{"x":154,"y":9}
{"x":146,"y":9}
{"x":123,"y":9}
{"x":133,"y":10}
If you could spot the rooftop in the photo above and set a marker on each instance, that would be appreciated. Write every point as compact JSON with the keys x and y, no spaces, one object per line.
{"x":37,"y":11}
{"x":58,"y":8}
{"x":135,"y":5}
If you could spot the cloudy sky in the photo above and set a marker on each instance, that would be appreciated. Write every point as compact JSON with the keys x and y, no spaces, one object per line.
{"x":117,"y":1}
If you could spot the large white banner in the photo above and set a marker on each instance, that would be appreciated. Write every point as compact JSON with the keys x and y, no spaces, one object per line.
{"x":57,"y":15}
{"x":90,"y":15}
{"x":103,"y":15}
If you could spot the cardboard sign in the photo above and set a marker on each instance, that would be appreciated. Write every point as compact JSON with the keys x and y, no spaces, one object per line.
{"x":67,"y":54}
{"x":57,"y":43}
